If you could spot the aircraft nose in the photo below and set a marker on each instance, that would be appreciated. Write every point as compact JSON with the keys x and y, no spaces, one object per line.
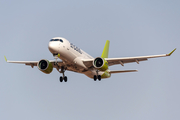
{"x":52,"y":47}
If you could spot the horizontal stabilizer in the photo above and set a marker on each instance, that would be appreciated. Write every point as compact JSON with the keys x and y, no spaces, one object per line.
{"x":122,"y":71}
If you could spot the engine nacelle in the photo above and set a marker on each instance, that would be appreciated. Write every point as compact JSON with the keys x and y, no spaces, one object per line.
{"x":100,"y":64}
{"x":45,"y":66}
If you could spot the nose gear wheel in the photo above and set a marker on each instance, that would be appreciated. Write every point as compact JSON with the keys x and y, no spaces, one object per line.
{"x":63,"y":78}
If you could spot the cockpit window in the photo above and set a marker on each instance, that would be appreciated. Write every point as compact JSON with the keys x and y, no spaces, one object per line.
{"x":57,"y":40}
{"x":61,"y":40}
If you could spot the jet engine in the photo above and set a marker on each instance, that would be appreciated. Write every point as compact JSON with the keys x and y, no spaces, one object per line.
{"x":45,"y":66}
{"x":100,"y":64}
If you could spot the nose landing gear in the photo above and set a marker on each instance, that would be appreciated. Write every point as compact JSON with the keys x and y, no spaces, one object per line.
{"x":63,"y":77}
{"x":58,"y":67}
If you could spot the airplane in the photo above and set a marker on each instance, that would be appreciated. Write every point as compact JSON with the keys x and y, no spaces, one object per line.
{"x":76,"y":60}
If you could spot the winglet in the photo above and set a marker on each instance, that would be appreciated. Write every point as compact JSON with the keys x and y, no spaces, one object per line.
{"x":5,"y":58}
{"x":171,"y":52}
{"x":106,"y":50}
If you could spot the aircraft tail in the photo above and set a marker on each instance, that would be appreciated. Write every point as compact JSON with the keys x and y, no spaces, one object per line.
{"x":106,"y":50}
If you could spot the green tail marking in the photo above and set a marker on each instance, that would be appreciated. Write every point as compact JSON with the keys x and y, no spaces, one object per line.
{"x":106,"y":50}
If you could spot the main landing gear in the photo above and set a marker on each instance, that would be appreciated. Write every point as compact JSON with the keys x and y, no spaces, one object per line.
{"x":63,"y":77}
{"x":97,"y":76}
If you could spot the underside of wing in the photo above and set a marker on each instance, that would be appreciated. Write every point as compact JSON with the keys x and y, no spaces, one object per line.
{"x":34,"y":63}
{"x":122,"y":61}
{"x":88,"y":62}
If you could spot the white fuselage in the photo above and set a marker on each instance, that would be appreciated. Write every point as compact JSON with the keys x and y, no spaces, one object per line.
{"x":72,"y":56}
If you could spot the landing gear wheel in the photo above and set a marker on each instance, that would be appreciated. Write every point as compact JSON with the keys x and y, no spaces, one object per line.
{"x":95,"y":77}
{"x":61,"y":79}
{"x":65,"y":79}
{"x":99,"y":77}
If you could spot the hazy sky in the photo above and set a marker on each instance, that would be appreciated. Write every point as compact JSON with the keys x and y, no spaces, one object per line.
{"x":134,"y":28}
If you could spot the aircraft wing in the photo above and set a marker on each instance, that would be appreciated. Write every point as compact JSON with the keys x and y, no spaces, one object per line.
{"x":34,"y":63}
{"x":123,"y":60}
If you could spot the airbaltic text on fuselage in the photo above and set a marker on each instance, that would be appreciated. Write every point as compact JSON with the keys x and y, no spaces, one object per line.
{"x":76,"y":48}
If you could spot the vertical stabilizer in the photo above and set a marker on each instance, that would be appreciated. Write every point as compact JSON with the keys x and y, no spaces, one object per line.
{"x":106,"y":50}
